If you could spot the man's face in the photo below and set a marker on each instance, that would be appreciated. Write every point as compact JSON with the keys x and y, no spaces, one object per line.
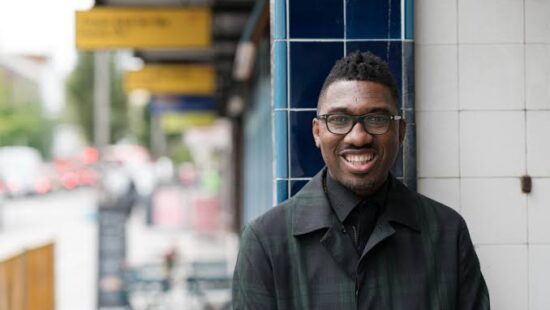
{"x":358,"y":160}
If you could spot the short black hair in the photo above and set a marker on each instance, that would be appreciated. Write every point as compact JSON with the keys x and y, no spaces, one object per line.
{"x":361,"y":66}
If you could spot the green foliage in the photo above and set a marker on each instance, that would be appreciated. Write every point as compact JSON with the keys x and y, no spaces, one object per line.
{"x":80,"y":97}
{"x":25,"y":125}
{"x":181,"y":154}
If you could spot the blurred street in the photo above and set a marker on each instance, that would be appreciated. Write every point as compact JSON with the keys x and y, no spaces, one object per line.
{"x":69,"y":218}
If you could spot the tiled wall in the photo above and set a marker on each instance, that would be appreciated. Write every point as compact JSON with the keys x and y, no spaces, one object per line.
{"x":483,"y":118}
{"x":308,"y":37}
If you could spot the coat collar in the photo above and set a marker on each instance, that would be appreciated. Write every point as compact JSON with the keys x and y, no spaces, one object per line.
{"x":311,"y":209}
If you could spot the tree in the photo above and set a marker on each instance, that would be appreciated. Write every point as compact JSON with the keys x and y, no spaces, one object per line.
{"x":24,"y":124}
{"x":80,"y":97}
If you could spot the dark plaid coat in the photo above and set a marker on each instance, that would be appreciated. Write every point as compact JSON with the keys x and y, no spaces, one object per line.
{"x":298,"y":256}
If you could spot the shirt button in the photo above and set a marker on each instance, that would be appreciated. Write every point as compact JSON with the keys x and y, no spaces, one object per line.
{"x":356,"y":292}
{"x":343,"y":229}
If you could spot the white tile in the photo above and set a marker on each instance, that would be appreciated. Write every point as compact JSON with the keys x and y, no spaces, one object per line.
{"x":495,"y":210}
{"x":444,"y":190}
{"x":538,"y":202}
{"x":506,"y":272}
{"x":435,"y":21}
{"x":538,"y":143}
{"x":537,"y":76}
{"x":436,"y":77}
{"x":437,"y":144}
{"x":491,"y":77}
{"x":490,"y":21}
{"x":537,"y":21}
{"x":539,"y":277}
{"x":492,"y":143}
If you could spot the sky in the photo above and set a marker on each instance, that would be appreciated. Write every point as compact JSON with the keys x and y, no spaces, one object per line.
{"x":41,"y":27}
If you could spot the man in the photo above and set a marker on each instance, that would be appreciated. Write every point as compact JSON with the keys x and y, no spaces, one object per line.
{"x":355,"y":237}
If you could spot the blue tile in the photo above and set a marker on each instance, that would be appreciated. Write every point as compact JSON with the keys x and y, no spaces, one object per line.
{"x":390,"y":51}
{"x":409,"y":19}
{"x":319,"y":19}
{"x":310,"y":62}
{"x":296,"y":186}
{"x":305,"y":157}
{"x":282,"y":191}
{"x":279,"y":19}
{"x":373,"y":19}
{"x":408,"y":75}
{"x":280,"y":94}
{"x":281,"y":142}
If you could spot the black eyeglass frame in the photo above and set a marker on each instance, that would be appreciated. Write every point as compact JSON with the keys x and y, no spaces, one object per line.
{"x":359,"y":118}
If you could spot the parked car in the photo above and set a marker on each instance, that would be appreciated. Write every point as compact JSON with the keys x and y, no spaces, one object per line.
{"x":22,"y":171}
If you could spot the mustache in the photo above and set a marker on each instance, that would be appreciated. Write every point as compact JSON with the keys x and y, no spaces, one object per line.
{"x":355,"y":148}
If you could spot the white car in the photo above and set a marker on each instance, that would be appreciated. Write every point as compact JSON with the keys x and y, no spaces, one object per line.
{"x":21,"y":171}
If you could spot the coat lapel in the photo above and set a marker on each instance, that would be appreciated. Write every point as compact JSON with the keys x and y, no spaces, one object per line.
{"x":311,"y":212}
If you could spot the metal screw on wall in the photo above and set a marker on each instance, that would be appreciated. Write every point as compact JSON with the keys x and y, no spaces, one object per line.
{"x":526,"y":184}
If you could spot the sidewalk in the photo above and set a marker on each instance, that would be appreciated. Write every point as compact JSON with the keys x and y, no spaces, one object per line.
{"x":148,"y":245}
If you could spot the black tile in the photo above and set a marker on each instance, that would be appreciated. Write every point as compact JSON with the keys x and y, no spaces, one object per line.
{"x":305,"y":157}
{"x":373,"y":19}
{"x":390,"y":51}
{"x":397,"y":168}
{"x":296,"y":186}
{"x":316,"y":19}
{"x":310,"y":62}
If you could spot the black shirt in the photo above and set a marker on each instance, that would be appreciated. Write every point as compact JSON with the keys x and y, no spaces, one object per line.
{"x":358,"y":215}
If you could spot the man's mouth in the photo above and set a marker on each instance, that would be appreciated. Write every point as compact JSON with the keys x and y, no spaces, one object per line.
{"x":358,"y":158}
{"x":358,"y":162}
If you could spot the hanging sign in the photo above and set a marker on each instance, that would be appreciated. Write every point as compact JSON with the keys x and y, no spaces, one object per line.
{"x":118,"y":27}
{"x":172,"y":79}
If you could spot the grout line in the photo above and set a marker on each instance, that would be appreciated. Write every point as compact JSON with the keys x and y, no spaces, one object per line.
{"x":403,"y":20}
{"x":348,"y":40}
{"x":526,"y":151}
{"x":293,"y":179}
{"x":483,"y":110}
{"x":345,"y":27}
{"x":460,"y":176}
{"x":479,"y":177}
{"x":288,"y":90}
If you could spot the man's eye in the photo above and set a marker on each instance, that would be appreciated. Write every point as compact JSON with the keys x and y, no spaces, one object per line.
{"x":377,"y":119}
{"x":339,"y":119}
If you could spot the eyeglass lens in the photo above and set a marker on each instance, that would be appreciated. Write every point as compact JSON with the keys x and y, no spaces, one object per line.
{"x":373,"y":124}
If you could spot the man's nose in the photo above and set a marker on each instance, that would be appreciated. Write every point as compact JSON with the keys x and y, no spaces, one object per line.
{"x":358,"y":136}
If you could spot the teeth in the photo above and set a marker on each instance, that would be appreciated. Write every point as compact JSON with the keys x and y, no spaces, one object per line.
{"x":359,"y":158}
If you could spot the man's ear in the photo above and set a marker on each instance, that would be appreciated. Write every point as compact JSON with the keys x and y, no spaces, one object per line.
{"x":402,"y":130}
{"x":315,"y":131}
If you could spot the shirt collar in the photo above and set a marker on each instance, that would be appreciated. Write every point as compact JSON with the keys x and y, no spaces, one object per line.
{"x":343,"y":200}
{"x":311,"y":208}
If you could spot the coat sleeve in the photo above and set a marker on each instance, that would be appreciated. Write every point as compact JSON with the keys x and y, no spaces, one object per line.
{"x":473,"y":293}
{"x":253,"y":286}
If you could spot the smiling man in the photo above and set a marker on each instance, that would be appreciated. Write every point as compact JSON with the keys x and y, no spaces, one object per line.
{"x":355,"y":237}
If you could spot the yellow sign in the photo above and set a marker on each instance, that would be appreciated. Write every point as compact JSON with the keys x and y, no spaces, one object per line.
{"x":108,"y":27}
{"x":178,"y":122}
{"x":173,"y":79}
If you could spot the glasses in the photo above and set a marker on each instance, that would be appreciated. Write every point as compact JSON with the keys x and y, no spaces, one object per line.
{"x":375,"y":124}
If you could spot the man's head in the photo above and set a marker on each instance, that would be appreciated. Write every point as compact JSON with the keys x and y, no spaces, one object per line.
{"x":359,"y":84}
